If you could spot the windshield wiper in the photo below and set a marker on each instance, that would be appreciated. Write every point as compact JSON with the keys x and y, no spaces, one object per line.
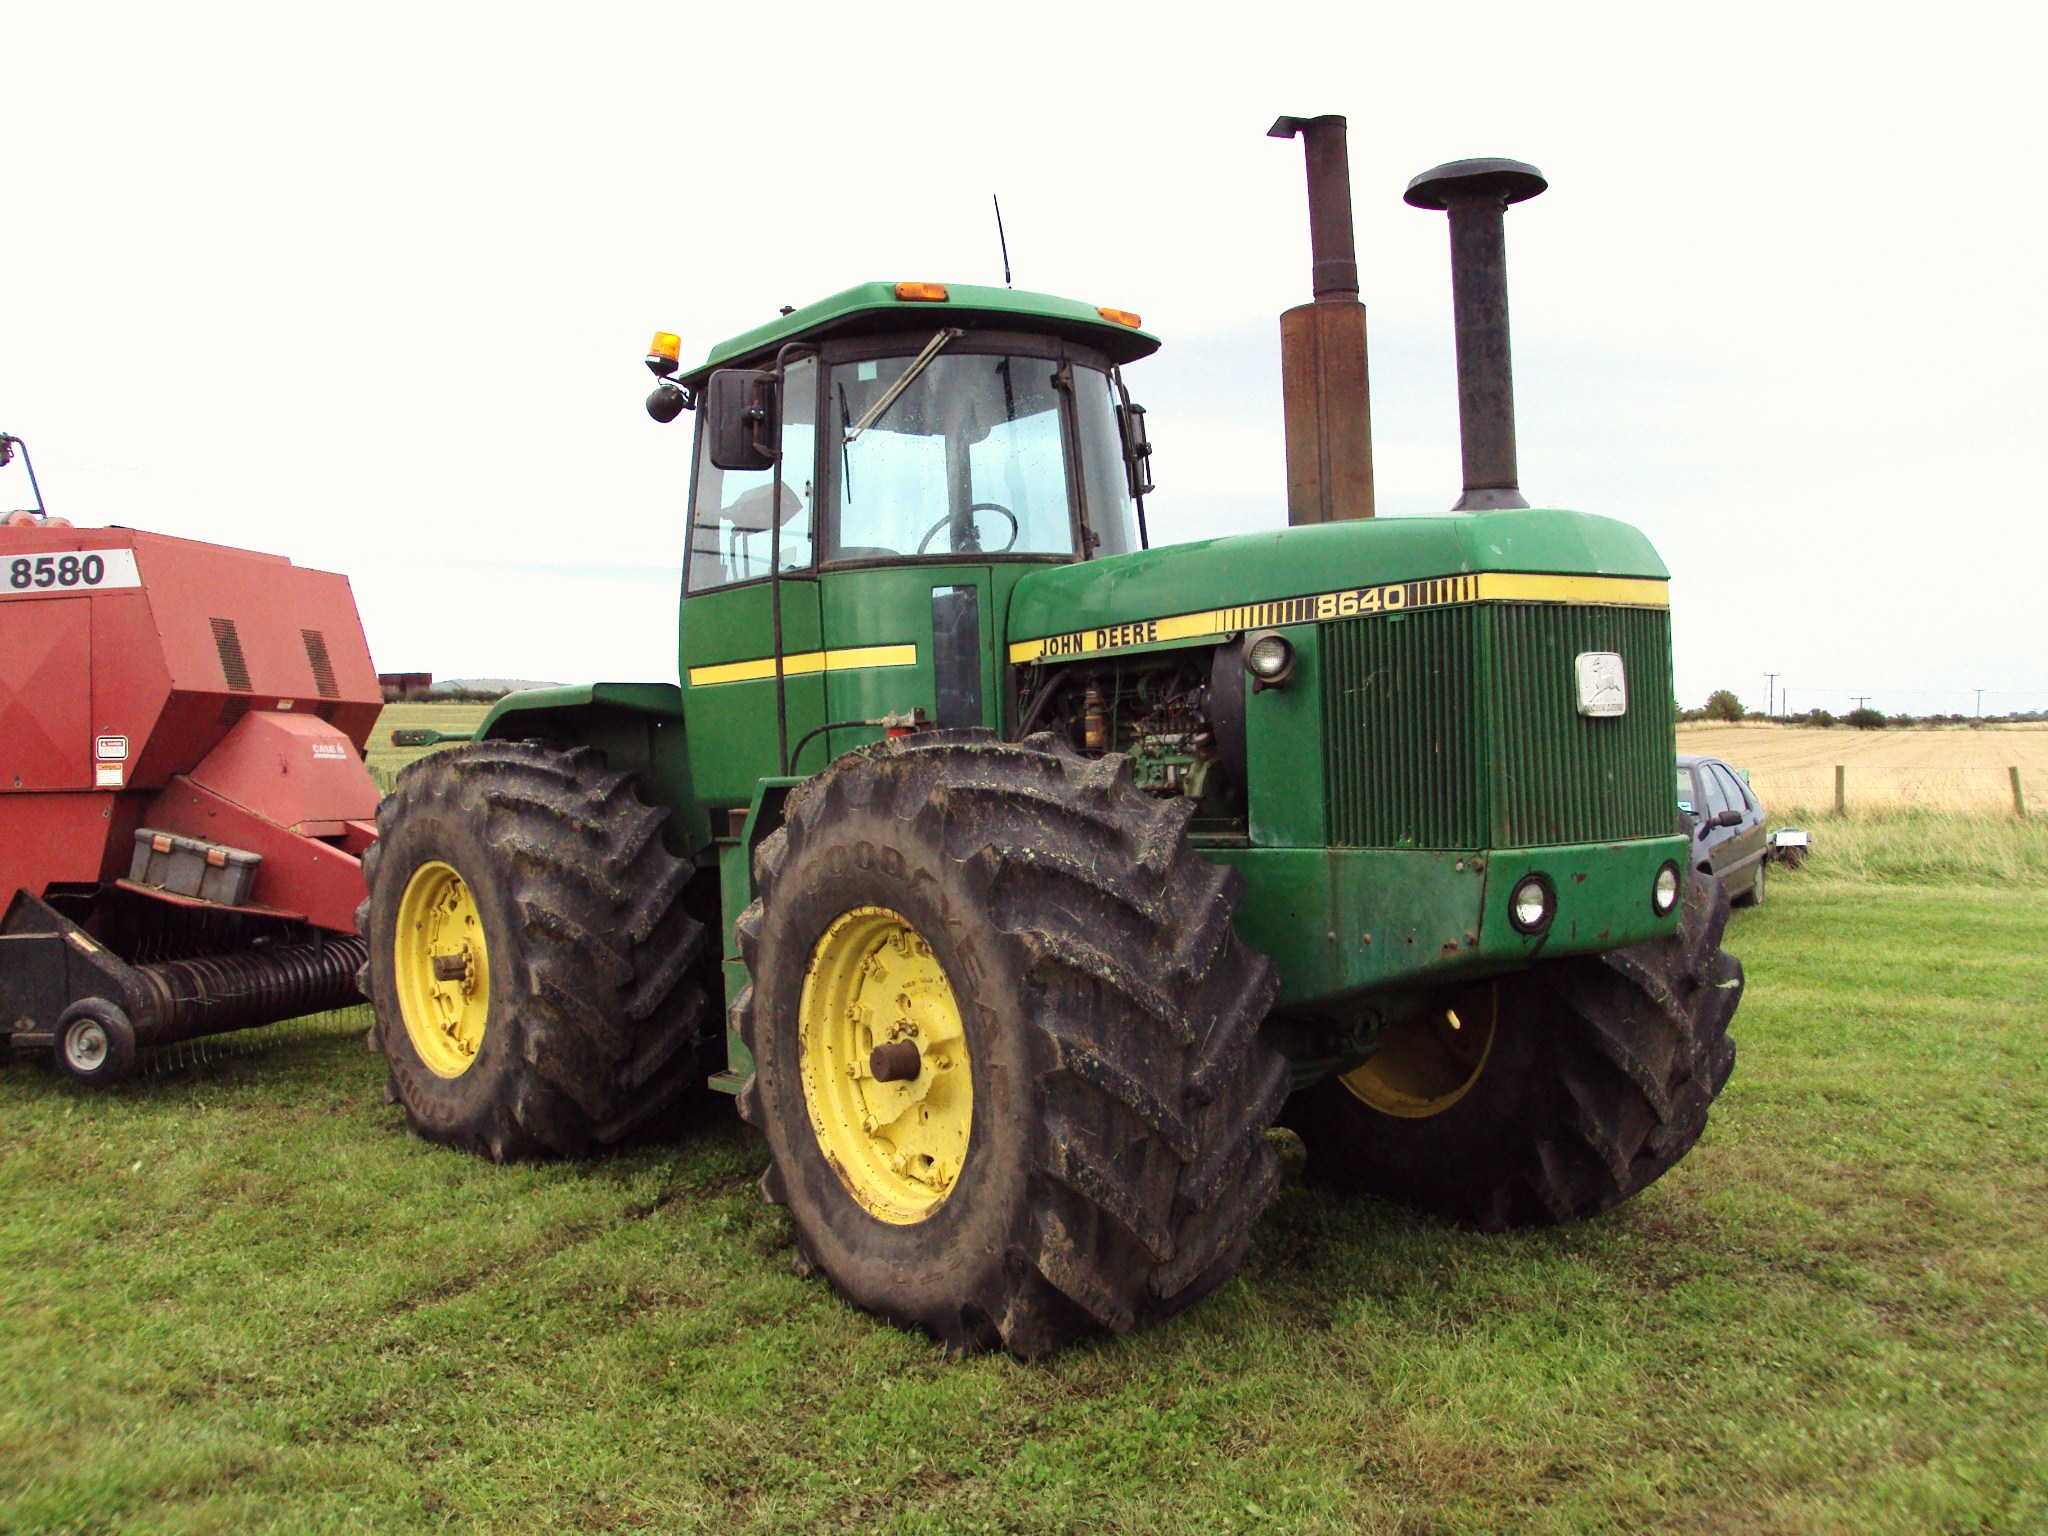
{"x":875,"y":412}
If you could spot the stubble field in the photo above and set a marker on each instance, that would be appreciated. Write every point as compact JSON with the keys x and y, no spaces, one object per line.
{"x":1935,"y":768}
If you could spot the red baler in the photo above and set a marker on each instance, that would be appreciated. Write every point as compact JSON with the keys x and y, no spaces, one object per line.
{"x":183,"y":800}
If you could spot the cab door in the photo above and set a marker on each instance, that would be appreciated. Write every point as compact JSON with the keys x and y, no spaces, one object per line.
{"x":730,"y":601}
{"x":905,"y":637}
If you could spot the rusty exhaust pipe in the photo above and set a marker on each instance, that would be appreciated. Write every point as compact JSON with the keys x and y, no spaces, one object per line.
{"x":1476,"y":195}
{"x":1327,"y":405}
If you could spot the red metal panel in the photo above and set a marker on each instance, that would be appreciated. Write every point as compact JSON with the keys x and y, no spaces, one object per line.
{"x":293,"y":769}
{"x":298,"y":873}
{"x":46,"y":694}
{"x":64,"y":839}
{"x":183,"y":641}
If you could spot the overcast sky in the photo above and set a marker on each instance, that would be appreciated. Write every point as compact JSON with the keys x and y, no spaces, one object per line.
{"x":369,"y":285}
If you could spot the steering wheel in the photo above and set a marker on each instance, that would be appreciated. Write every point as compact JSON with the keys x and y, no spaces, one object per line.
{"x":979,"y":506}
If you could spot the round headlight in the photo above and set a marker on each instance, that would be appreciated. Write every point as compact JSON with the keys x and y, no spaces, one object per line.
{"x":1269,"y":658}
{"x":1532,"y":905}
{"x":1664,"y":891}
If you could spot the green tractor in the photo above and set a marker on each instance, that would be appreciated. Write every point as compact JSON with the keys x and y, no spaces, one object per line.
{"x":1040,"y":873}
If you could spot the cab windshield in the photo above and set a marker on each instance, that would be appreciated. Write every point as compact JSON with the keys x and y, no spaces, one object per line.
{"x":971,"y":459}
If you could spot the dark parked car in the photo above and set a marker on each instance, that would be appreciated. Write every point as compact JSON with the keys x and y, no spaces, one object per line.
{"x":1727,"y":822}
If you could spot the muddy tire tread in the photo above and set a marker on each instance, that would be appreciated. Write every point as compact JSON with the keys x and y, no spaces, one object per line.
{"x":1153,"y":1087}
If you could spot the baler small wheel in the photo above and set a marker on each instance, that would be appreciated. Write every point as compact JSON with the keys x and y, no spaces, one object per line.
{"x":1075,"y":1141}
{"x":1596,"y":1080}
{"x":95,"y":1043}
{"x":536,"y":977}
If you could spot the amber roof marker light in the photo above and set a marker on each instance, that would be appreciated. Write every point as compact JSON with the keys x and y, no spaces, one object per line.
{"x":922,"y":293}
{"x":664,"y":354}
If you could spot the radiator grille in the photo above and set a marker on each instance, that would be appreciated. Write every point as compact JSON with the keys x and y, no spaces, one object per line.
{"x":1600,"y":780}
{"x":1401,"y":730}
{"x":1459,"y":728}
{"x":233,"y":665}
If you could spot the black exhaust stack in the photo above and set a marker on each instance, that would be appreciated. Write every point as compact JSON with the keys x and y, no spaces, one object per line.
{"x":1476,"y":194}
{"x":1322,"y":346}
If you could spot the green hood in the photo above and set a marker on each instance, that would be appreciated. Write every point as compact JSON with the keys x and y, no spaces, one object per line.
{"x":1256,"y":568}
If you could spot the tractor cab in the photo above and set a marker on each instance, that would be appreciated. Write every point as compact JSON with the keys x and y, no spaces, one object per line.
{"x":873,"y":475}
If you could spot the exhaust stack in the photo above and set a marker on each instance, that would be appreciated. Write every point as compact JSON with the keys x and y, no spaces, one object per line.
{"x":1476,"y":195}
{"x":1327,"y":405}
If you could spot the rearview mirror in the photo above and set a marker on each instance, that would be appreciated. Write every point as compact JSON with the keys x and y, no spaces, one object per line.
{"x":739,"y":418}
{"x":1130,"y":421}
{"x":1728,"y":819}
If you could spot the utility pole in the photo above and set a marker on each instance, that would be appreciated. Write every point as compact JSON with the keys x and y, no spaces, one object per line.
{"x":1771,"y":697}
{"x":1860,"y":698}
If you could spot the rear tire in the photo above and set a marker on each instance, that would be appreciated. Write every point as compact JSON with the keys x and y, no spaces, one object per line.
{"x":585,"y":1015}
{"x":1598,"y":1081}
{"x":1107,"y":1018}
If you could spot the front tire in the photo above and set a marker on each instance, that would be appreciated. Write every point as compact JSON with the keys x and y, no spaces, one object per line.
{"x":1034,"y":937}
{"x":532,"y":966}
{"x":1595,"y":1080}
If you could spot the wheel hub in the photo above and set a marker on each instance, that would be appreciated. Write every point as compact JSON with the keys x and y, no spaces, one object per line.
{"x":882,"y":1054}
{"x":85,"y":1046}
{"x":1429,"y":1061}
{"x":442,"y":968}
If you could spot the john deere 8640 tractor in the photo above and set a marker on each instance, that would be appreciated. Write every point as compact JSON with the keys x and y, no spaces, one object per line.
{"x":1040,"y":872}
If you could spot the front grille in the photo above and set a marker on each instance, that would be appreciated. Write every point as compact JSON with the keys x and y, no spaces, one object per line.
{"x":1458,"y":727}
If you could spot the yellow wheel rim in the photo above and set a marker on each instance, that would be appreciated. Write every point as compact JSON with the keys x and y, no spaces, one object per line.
{"x":442,"y":968}
{"x":898,"y":1141}
{"x":1430,"y":1061}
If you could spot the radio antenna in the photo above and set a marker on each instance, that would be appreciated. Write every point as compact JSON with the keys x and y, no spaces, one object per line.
{"x":1001,"y":239}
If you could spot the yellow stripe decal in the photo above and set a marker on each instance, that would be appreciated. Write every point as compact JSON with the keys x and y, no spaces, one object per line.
{"x":805,"y":662}
{"x":1393,"y":597}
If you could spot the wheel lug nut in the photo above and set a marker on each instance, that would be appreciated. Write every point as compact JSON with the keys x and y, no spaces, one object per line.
{"x":896,"y":1062}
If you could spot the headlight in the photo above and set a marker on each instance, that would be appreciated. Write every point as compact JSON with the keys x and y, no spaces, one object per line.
{"x":1664,"y":891}
{"x":1269,"y":658}
{"x":1533,"y":905}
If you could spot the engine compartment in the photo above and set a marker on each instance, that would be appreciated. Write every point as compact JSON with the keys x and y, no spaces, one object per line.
{"x":1178,"y":715}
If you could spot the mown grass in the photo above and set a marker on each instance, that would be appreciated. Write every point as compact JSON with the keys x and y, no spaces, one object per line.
{"x":243,"y":1298}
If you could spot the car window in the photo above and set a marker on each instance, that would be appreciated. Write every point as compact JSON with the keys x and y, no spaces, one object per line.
{"x":1738,"y":794}
{"x":1710,"y":786}
{"x":1688,"y":796}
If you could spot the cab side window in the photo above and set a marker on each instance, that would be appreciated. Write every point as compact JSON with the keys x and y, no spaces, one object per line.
{"x":731,"y":527}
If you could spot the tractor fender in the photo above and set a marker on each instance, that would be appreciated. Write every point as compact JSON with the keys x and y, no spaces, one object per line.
{"x":638,"y":727}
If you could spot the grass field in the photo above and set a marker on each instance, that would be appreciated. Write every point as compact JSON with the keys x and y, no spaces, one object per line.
{"x":1954,"y":768}
{"x":242,"y":1297}
{"x":385,"y":760}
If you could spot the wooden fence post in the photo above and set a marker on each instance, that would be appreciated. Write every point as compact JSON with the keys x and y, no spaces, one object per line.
{"x":1841,"y":789}
{"x":2019,"y":801}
